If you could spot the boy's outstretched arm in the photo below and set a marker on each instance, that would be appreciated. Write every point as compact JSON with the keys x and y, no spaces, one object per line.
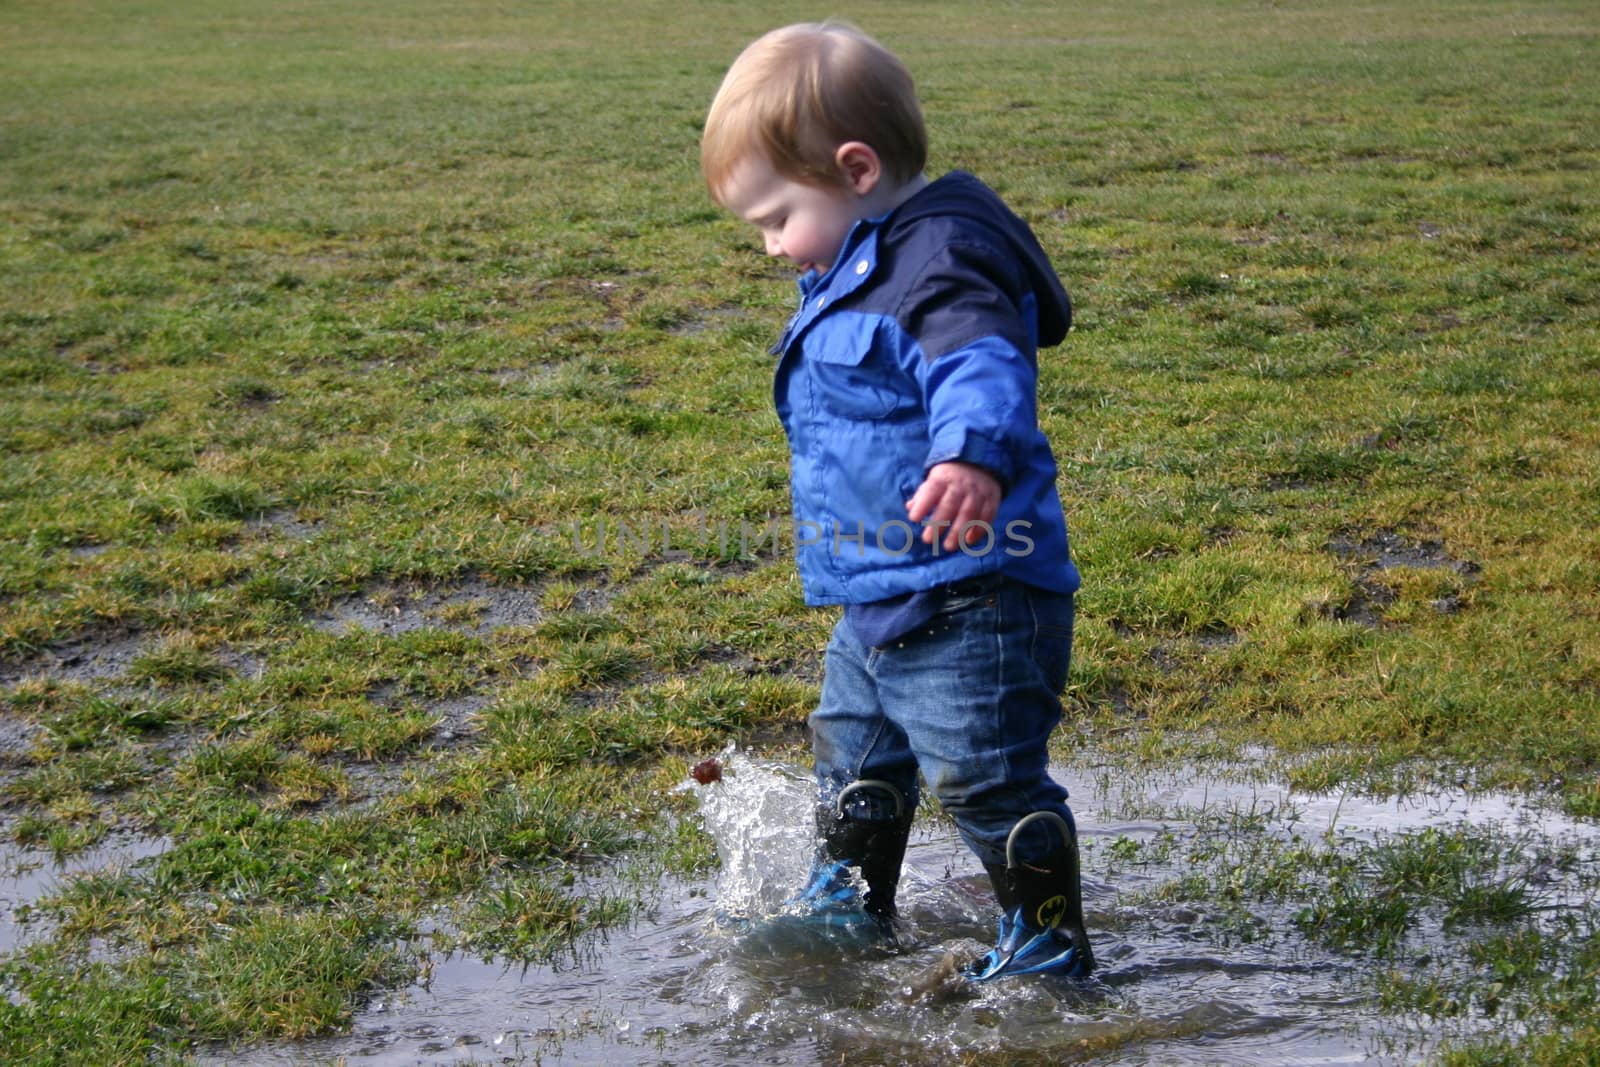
{"x":953,"y":495}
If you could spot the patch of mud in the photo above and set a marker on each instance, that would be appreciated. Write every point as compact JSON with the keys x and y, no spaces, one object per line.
{"x":709,"y":319}
{"x":105,"y":658}
{"x":243,"y":664}
{"x":1172,"y":656}
{"x":90,"y":658}
{"x":456,"y":717}
{"x":472,"y":606}
{"x":1387,"y":550}
{"x":617,"y":301}
{"x":596,"y":598}
{"x":18,"y":737}
{"x":1366,"y":605}
{"x":287,"y":524}
{"x":517,"y":377}
{"x":453,"y":715}
{"x":455,"y":725}
{"x":1384,"y":551}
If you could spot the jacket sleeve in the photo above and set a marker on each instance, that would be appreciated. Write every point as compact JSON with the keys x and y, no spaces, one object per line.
{"x":972,"y":322}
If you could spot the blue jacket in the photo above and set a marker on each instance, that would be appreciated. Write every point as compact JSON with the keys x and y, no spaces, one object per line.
{"x":919,"y":346}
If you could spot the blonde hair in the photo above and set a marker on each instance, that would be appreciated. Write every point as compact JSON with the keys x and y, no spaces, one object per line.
{"x":797,"y":93}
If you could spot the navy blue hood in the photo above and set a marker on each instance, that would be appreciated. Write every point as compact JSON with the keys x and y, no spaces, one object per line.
{"x":961,"y":195}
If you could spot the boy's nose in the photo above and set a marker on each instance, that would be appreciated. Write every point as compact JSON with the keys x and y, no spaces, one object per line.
{"x":773,"y":247}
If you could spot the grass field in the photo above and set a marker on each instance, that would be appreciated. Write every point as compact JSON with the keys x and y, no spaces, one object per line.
{"x":381,"y":402}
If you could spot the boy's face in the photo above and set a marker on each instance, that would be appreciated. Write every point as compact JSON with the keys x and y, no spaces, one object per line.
{"x":805,"y":224}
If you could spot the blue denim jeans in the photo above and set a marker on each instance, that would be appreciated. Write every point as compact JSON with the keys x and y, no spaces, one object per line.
{"x":970,"y":700}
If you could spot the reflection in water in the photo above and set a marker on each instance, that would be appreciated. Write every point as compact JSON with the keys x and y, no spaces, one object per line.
{"x":703,"y":980}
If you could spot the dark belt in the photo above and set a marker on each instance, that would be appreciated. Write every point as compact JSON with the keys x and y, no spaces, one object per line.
{"x":983,"y":583}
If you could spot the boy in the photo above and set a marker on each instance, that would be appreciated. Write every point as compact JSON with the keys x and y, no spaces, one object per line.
{"x":906,"y":386}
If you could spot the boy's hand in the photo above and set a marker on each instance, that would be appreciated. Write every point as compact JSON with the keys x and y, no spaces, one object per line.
{"x":953,"y":495}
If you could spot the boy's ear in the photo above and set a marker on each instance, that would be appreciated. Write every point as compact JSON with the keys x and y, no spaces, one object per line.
{"x":859,"y":164}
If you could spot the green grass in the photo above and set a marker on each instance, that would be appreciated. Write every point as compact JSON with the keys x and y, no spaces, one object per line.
{"x":329,"y":303}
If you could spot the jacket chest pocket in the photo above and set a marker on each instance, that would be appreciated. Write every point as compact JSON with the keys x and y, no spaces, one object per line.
{"x":851,"y":379}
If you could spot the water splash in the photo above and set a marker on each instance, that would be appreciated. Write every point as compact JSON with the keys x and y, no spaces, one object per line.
{"x":759,"y":815}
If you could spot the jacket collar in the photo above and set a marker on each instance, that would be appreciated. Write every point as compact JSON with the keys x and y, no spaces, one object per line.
{"x":852,"y":267}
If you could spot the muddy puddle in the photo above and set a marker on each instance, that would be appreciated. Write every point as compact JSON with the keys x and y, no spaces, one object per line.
{"x":695,"y":981}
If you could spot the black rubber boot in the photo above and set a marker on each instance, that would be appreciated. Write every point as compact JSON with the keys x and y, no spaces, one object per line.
{"x":876,"y":846}
{"x":1041,"y":924}
{"x":1048,"y":895}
